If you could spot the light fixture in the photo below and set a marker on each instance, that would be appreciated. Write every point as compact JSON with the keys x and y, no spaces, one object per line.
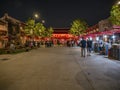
{"x":97,"y":38}
{"x":36,"y":16}
{"x":118,"y":2}
{"x":105,"y":36}
{"x":90,"y":38}
{"x":113,"y":36}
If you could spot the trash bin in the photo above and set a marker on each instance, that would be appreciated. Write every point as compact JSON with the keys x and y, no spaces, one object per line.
{"x":116,"y":51}
{"x":110,"y":51}
{"x":118,"y":54}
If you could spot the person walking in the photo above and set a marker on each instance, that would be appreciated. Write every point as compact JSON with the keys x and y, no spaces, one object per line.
{"x":89,"y":46}
{"x":83,"y":47}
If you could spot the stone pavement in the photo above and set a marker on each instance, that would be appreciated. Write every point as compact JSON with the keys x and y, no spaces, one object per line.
{"x":58,"y":69}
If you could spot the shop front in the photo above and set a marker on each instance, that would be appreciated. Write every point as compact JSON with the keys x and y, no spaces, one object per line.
{"x":61,"y":36}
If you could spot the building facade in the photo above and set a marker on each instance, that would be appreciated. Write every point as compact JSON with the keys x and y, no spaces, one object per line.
{"x":104,"y":25}
{"x":15,"y":30}
{"x":3,"y":33}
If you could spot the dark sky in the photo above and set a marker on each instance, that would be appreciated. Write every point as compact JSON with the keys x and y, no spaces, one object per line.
{"x":58,"y":13}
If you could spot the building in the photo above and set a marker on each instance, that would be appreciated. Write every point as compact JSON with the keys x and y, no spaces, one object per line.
{"x":104,"y":25}
{"x":3,"y":33}
{"x":61,"y":33}
{"x":62,"y":36}
{"x":14,"y":29}
{"x":92,"y":31}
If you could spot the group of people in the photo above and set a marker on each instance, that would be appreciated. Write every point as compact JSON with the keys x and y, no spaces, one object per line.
{"x":104,"y":46}
{"x":85,"y":45}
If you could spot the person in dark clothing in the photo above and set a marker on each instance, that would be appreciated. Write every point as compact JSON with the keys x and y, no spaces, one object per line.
{"x":83,"y":47}
{"x":89,"y":46}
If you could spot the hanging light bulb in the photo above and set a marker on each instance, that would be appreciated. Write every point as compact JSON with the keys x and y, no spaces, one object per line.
{"x":113,"y":36}
{"x":90,"y":38}
{"x":118,"y":3}
{"x":97,"y":38}
{"x":105,"y":36}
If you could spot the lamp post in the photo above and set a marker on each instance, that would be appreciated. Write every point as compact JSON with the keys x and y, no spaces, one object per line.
{"x":43,"y":21}
{"x":37,"y":16}
{"x":118,"y":3}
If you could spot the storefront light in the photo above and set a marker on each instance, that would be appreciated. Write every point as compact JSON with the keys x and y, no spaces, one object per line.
{"x":80,"y":39}
{"x":97,"y":38}
{"x":90,"y":38}
{"x":118,"y":3}
{"x":113,"y":36}
{"x":105,"y":36}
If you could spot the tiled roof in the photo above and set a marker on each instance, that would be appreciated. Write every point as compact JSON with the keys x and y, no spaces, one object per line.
{"x":61,"y":30}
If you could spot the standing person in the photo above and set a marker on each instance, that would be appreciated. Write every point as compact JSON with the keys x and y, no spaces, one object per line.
{"x":12,"y":47}
{"x":100,"y":46}
{"x":83,"y":47}
{"x":107,"y":47}
{"x":72,"y":42}
{"x":89,"y":46}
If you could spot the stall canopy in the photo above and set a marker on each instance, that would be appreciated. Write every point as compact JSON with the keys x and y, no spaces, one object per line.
{"x":114,"y":30}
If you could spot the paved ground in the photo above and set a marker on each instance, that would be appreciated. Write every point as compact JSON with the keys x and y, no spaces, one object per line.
{"x":58,"y":69}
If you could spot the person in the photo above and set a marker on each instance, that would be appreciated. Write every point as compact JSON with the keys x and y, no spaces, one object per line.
{"x":107,"y":47}
{"x":72,"y":42}
{"x":12,"y":47}
{"x":100,"y":46}
{"x":83,"y":47}
{"x":89,"y":46}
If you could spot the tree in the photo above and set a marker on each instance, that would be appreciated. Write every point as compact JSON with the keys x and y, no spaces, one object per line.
{"x":115,"y":14}
{"x":78,"y":27}
{"x":50,"y":31}
{"x":34,"y":29}
{"x":29,"y":28}
{"x":39,"y":29}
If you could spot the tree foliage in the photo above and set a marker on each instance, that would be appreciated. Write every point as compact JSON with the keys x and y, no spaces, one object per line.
{"x":39,"y":29}
{"x":78,"y":27}
{"x":29,"y":26}
{"x":50,"y":31}
{"x":34,"y":29}
{"x":115,"y":14}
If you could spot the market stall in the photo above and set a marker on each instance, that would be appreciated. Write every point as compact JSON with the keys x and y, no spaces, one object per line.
{"x":114,"y":52}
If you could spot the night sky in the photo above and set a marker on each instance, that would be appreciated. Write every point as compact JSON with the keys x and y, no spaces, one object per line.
{"x":58,"y":13}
